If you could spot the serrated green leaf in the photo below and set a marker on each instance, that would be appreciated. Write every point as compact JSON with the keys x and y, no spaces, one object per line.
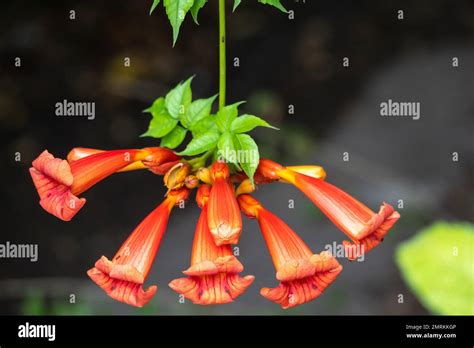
{"x":174,"y":138}
{"x":198,"y":4}
{"x":160,"y":125}
{"x":153,"y":6}
{"x":201,"y":143}
{"x":198,"y":110}
{"x":275,"y":3}
{"x":176,"y":11}
{"x":437,"y":266}
{"x":246,"y":123}
{"x":179,"y":98}
{"x":236,"y":4}
{"x":157,"y":107}
{"x":226,"y":116}
{"x":204,"y":125}
{"x":248,"y":156}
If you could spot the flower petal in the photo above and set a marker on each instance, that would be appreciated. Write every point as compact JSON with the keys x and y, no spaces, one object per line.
{"x":51,"y":177}
{"x":219,"y":288}
{"x":224,"y":219}
{"x":121,"y":290}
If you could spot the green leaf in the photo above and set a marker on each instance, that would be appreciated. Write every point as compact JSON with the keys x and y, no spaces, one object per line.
{"x":198,"y":4}
{"x":226,"y":116}
{"x":437,"y":266}
{"x":157,"y":107}
{"x":160,"y":125}
{"x":179,"y":98}
{"x":275,"y":3}
{"x":153,"y":6}
{"x":246,"y":123}
{"x":176,"y":11}
{"x":204,"y":125}
{"x":236,"y":4}
{"x":201,"y":143}
{"x":198,"y":110}
{"x":248,"y":156}
{"x":226,"y":147}
{"x":174,"y":138}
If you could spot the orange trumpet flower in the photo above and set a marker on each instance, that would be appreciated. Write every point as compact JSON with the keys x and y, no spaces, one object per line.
{"x":365,"y":227}
{"x":213,"y":275}
{"x":303,"y":275}
{"x":123,"y":277}
{"x":224,"y":219}
{"x":59,"y":182}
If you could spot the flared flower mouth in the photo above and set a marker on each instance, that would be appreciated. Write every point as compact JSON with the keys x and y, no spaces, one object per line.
{"x":121,"y":282}
{"x":123,"y":277}
{"x":378,"y":227}
{"x":213,"y":282}
{"x":213,"y":275}
{"x":303,"y":280}
{"x":53,"y":178}
{"x":224,"y":219}
{"x":360,"y":223}
{"x":303,"y":275}
{"x":59,"y":182}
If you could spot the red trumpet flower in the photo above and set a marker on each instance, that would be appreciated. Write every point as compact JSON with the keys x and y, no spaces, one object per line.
{"x":213,"y":276}
{"x":365,"y":227}
{"x":303,"y":275}
{"x":224,"y":219}
{"x":123,"y":277}
{"x":59,"y":182}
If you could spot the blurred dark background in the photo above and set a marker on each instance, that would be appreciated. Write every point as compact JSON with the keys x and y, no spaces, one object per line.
{"x":282,"y":62}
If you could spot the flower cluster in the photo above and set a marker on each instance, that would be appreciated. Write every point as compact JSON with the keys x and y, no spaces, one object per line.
{"x":213,"y":276}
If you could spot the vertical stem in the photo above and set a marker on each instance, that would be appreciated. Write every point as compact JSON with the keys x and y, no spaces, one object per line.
{"x":222,"y":55}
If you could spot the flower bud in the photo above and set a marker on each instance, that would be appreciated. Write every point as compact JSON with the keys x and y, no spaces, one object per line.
{"x":191,"y":181}
{"x":245,"y":187}
{"x":175,"y":177}
{"x":204,"y":174}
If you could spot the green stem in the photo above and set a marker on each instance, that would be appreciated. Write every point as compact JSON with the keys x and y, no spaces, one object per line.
{"x":222,"y":55}
{"x":199,"y":162}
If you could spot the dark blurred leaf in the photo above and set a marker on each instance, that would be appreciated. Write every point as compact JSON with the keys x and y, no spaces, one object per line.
{"x":275,"y":3}
{"x":198,"y":4}
{"x":236,"y":4}
{"x":153,"y":6}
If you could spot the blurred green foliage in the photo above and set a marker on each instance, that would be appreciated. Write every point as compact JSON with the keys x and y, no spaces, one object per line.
{"x":35,"y":304}
{"x":437,"y":264}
